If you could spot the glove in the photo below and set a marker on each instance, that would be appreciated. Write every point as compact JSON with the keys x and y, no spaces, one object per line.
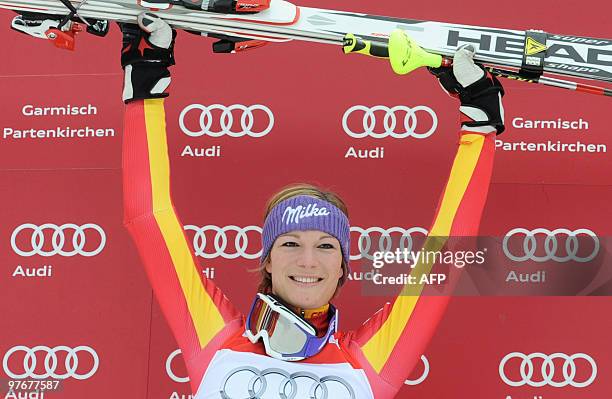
{"x":480,"y":92}
{"x":148,"y":51}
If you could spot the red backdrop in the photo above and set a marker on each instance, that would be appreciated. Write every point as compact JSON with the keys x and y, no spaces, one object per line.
{"x":92,"y":306}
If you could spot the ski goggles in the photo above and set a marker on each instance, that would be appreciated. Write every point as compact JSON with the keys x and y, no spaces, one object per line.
{"x":286,"y":335}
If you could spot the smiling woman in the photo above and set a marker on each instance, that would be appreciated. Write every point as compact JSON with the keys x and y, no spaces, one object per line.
{"x":305,"y":268}
{"x":288,"y":346}
{"x":298,"y":243}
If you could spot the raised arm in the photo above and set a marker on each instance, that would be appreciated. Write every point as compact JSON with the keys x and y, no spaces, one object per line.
{"x":393,"y":340}
{"x":199,"y":315}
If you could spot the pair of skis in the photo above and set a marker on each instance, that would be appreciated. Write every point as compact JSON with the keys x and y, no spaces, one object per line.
{"x":522,"y":55}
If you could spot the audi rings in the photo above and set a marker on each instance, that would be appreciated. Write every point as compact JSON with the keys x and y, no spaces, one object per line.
{"x":385,"y":242}
{"x":226,"y":121}
{"x":241,"y":241}
{"x":51,"y":363}
{"x":220,"y":241}
{"x":423,"y":376}
{"x":58,"y":239}
{"x":169,"y":371}
{"x":390,"y":122}
{"x":551,"y":245}
{"x":547,"y":369}
{"x":288,"y":387}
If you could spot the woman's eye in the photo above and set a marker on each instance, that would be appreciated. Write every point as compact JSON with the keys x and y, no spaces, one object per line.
{"x":326,"y":246}
{"x":289,"y":244}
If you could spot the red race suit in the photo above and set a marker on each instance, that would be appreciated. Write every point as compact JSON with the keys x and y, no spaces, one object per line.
{"x":371,"y":362}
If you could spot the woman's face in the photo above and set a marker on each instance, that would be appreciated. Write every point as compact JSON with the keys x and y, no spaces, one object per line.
{"x":305,"y":268}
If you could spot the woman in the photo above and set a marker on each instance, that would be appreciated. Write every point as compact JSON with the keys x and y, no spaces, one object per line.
{"x":288,"y":345}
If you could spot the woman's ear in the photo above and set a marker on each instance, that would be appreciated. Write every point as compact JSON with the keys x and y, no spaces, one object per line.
{"x":268,"y":264}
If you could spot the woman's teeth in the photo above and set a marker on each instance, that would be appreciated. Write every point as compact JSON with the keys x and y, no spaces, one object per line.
{"x":301,"y":279}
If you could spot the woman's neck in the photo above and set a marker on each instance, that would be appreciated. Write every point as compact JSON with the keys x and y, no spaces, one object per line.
{"x":318,"y":317}
{"x":312,"y":313}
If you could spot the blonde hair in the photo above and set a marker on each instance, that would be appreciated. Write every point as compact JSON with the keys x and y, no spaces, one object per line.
{"x":265,"y":285}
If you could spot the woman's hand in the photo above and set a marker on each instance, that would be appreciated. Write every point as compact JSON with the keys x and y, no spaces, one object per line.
{"x":147,"y":52}
{"x":479,"y":91}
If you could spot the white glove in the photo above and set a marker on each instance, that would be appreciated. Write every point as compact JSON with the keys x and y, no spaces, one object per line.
{"x":480,"y":92}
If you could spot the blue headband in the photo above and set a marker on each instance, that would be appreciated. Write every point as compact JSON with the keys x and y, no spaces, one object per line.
{"x":301,"y":213}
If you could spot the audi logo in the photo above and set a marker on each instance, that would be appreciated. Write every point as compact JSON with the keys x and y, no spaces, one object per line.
{"x":51,"y":366}
{"x":250,"y":382}
{"x":389,"y":121}
{"x":241,"y":241}
{"x":423,"y":376}
{"x":385,"y":242}
{"x":58,"y":239}
{"x":219,"y":239}
{"x":548,"y":371}
{"x":169,"y":371}
{"x":226,"y":120}
{"x":551,"y":245}
{"x":182,"y":380}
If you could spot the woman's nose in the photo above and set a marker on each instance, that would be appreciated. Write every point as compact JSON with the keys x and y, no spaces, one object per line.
{"x":307,"y":258}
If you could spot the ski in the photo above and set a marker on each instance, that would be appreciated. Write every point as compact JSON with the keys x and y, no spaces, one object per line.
{"x":281,"y":21}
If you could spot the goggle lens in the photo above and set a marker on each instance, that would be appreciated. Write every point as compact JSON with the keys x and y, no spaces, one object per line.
{"x":284,"y":333}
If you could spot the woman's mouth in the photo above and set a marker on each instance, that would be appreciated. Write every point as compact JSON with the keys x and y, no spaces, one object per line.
{"x":306,"y":279}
